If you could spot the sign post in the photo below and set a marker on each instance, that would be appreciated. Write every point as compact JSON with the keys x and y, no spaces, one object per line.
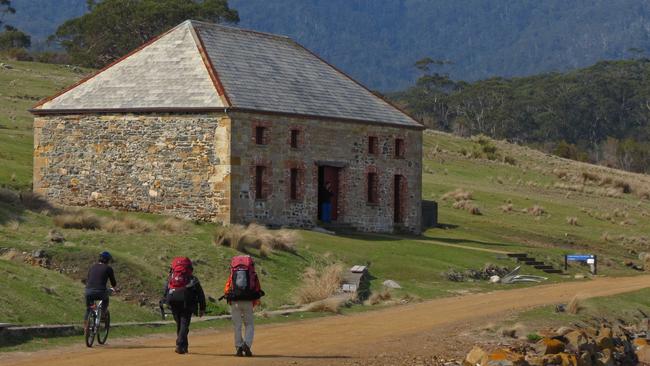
{"x":590,"y":259}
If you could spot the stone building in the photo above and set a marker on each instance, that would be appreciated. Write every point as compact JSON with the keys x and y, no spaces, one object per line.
{"x":234,"y":126}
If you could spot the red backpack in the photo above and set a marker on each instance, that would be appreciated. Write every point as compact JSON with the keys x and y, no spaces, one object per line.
{"x":181,"y":273}
{"x":243,"y":283}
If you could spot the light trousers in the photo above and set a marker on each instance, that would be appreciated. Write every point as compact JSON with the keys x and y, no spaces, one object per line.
{"x":242,"y":314}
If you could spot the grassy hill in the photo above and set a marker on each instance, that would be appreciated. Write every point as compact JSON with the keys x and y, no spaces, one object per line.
{"x":528,"y":201}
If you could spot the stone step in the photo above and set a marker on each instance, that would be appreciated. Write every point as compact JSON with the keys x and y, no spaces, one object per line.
{"x":534,"y":263}
{"x":543,"y":266}
{"x":553,"y":270}
{"x":517,"y":255}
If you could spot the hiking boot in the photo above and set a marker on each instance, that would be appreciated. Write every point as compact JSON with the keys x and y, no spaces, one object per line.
{"x":247,"y":351}
{"x":240,"y":352}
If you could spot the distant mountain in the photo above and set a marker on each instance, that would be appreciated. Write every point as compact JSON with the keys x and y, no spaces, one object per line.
{"x":377,"y":41}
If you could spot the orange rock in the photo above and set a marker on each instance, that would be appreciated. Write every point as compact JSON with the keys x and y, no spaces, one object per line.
{"x":643,"y":354}
{"x":503,"y":357}
{"x":551,"y":346}
{"x":640,"y":342}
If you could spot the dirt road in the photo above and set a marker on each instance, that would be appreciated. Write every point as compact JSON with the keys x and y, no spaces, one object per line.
{"x":332,"y":340}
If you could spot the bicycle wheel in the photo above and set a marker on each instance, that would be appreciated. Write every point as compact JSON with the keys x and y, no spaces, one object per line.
{"x":104,"y":327}
{"x":90,"y":329}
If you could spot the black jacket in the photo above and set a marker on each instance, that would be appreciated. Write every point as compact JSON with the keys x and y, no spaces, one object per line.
{"x":195,"y":299}
{"x":98,"y":275}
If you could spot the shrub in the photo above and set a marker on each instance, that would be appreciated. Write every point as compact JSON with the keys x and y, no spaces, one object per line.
{"x":468,"y":206}
{"x":173,"y":225}
{"x":572,"y":220}
{"x":589,"y":176}
{"x":34,"y":201}
{"x":78,"y":220}
{"x":8,"y":196}
{"x":331,"y":305}
{"x":537,"y":210}
{"x":507,"y":207}
{"x":533,"y":337}
{"x":255,"y":236}
{"x":645,"y":195}
{"x":574,"y":306}
{"x":379,"y":297}
{"x":319,"y":283}
{"x":509,"y":160}
{"x":457,"y":194}
{"x":126,"y":225}
{"x":625,"y":187}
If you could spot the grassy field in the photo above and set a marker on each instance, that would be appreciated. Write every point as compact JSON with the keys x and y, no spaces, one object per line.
{"x":528,"y":202}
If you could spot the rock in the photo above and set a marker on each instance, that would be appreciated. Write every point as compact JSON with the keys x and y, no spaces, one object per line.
{"x":568,"y":359}
{"x":605,"y":358}
{"x":577,"y":341}
{"x":579,"y":276}
{"x":39,"y":253}
{"x":639,"y":342}
{"x":495,"y":279}
{"x":504,"y":357}
{"x":5,"y":66}
{"x":563,"y":331}
{"x":550,"y":346}
{"x":606,"y":332}
{"x":605,"y":342}
{"x":554,"y":359}
{"x":475,"y":356}
{"x":643,"y":354}
{"x":585,"y":359}
{"x":48,"y":290}
{"x":55,"y":236}
{"x":391,"y":284}
{"x":644,"y":325}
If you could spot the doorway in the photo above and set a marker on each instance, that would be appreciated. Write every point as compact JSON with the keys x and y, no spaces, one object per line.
{"x":328,"y":193}
{"x":398,"y":199}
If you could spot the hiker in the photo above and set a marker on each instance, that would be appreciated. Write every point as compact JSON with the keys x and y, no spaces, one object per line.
{"x":326,"y":193}
{"x":98,"y":275}
{"x":243,"y":293}
{"x":185,"y":296}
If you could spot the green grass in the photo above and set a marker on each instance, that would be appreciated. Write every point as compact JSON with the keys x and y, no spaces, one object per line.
{"x":417,"y":263}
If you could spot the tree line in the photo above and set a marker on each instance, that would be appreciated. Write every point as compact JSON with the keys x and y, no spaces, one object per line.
{"x":599,"y":114}
{"x":111,"y":28}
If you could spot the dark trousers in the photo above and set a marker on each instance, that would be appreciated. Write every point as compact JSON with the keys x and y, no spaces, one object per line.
{"x":183,"y":318}
{"x":93,"y":295}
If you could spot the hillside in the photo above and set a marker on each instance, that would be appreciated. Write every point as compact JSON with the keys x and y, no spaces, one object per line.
{"x":523,"y":200}
{"x":597,"y":113}
{"x":377,"y":41}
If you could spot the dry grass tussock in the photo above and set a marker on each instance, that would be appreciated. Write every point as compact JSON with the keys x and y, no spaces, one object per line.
{"x":574,"y":305}
{"x":254,"y":236}
{"x":468,"y":206}
{"x":536,"y":210}
{"x":85,"y":220}
{"x":457,"y":194}
{"x":330,"y":305}
{"x":319,"y":283}
{"x":379,"y":297}
{"x":572,"y":220}
{"x":507,"y":207}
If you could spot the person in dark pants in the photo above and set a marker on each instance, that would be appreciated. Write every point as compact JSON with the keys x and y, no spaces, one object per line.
{"x":98,"y":275}
{"x":184,"y":302}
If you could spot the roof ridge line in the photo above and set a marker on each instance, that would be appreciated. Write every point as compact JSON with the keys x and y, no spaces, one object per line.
{"x":235,"y":28}
{"x":209,"y":65}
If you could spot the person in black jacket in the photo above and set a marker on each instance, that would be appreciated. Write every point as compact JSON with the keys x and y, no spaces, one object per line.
{"x":98,"y":275}
{"x":192,"y":302}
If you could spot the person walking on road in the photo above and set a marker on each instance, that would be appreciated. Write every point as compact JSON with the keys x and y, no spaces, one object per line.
{"x":243,"y":293}
{"x":185,"y":296}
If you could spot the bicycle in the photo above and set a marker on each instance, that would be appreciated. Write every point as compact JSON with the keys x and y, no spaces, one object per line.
{"x":99,"y":322}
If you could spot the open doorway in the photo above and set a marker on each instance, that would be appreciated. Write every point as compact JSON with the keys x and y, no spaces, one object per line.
{"x":398,"y":199}
{"x":328,"y":193}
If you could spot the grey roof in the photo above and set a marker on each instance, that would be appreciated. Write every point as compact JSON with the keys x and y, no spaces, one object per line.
{"x":167,"y":73}
{"x":253,"y":71}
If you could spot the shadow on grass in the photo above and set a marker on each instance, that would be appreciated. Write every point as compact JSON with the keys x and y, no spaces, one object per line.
{"x":465,"y":241}
{"x":14,"y":205}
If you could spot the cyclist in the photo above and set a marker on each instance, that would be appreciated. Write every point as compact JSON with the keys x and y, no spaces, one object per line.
{"x":98,"y":275}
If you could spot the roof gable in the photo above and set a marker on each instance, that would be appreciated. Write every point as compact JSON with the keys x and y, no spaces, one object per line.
{"x":168,"y":72}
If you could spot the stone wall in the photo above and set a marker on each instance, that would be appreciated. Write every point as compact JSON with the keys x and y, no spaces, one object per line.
{"x":176,"y":164}
{"x":323,"y":142}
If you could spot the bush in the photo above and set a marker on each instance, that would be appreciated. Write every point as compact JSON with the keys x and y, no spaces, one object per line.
{"x":468,"y":206}
{"x":625,"y":187}
{"x":126,"y":225}
{"x":34,"y":201}
{"x":78,"y":220}
{"x":255,"y":236}
{"x":8,"y":196}
{"x":537,"y":210}
{"x":331,"y":305}
{"x":379,"y":297}
{"x":173,"y":226}
{"x":319,"y":283}
{"x":457,"y":194}
{"x":573,"y":221}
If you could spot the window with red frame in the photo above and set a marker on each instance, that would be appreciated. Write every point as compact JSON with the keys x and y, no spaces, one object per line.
{"x":372,"y":145}
{"x":259,"y":182}
{"x":399,"y":148}
{"x":373,"y":196}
